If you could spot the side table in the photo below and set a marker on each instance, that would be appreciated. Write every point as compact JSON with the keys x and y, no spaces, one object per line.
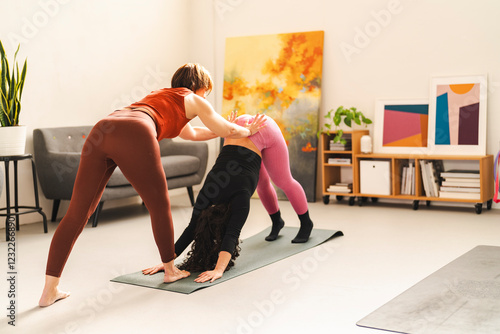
{"x":14,"y":210}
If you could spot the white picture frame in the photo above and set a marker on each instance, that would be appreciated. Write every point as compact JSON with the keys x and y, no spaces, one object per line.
{"x":457,"y":115}
{"x":392,"y":126}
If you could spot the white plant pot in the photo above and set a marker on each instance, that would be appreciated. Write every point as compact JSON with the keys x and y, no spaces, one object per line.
{"x":12,"y":140}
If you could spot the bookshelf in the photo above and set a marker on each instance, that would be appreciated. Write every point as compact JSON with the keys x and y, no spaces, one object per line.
{"x":332,"y":174}
{"x":332,"y":171}
{"x":484,"y":172}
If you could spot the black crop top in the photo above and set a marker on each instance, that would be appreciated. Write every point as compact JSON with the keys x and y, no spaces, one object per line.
{"x":231,"y":180}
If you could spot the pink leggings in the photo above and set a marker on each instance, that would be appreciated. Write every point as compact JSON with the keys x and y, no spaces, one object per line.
{"x":127,"y":139}
{"x":276,"y":167}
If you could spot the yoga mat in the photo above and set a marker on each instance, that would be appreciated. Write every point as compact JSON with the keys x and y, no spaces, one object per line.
{"x":255,"y":253}
{"x":463,"y":297}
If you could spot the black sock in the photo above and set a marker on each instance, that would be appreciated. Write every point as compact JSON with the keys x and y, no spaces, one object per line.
{"x":278,"y":224}
{"x":306,"y":226}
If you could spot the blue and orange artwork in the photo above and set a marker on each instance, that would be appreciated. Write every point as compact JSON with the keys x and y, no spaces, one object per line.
{"x":457,"y":114}
{"x":280,"y":75}
{"x":405,"y":125}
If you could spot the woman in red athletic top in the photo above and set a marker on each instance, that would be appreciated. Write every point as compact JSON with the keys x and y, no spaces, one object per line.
{"x":128,"y":138}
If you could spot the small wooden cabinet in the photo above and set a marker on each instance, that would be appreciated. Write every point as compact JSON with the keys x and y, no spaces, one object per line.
{"x":331,"y":174}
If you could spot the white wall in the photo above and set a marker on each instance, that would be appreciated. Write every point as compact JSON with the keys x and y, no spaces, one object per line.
{"x":379,"y":48}
{"x":87,"y":58}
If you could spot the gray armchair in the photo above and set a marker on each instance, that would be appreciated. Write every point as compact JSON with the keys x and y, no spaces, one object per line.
{"x":57,"y":155}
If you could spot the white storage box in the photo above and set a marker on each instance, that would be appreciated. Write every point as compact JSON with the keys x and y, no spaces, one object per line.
{"x":375,"y":177}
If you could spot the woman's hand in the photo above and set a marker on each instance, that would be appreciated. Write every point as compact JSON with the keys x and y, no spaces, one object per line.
{"x":211,"y":276}
{"x":258,"y":123}
{"x":232,"y":117}
{"x":153,"y":270}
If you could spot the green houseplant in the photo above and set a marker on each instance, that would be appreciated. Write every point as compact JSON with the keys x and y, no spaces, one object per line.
{"x":349,"y":115}
{"x":12,"y":135}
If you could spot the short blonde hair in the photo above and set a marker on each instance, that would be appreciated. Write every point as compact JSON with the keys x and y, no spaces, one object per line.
{"x":192,"y":76}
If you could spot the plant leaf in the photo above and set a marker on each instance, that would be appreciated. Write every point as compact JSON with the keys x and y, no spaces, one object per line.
{"x":3,"y":117}
{"x":338,"y":136}
{"x":347,"y":120}
{"x":23,"y":76}
{"x":337,"y":119}
{"x":11,"y":89}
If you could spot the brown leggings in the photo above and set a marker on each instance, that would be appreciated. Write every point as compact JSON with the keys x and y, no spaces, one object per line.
{"x":126,"y":139}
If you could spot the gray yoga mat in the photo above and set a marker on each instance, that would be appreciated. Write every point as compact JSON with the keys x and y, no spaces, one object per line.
{"x":463,"y":297}
{"x":255,"y":253}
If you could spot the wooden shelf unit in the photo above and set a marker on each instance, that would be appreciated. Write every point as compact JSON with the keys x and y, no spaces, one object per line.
{"x":331,"y":174}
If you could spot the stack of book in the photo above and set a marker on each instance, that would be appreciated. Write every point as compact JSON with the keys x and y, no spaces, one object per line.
{"x":430,"y":176}
{"x":408,"y":180}
{"x":463,"y":184}
{"x":339,"y":161}
{"x":340,"y":188}
{"x":338,"y":146}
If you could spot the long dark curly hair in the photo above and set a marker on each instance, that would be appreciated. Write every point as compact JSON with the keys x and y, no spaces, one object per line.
{"x":209,"y":233}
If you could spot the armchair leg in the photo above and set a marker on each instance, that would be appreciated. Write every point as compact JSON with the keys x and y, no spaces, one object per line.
{"x":191,"y":195}
{"x":55,"y":208}
{"x":95,"y":216}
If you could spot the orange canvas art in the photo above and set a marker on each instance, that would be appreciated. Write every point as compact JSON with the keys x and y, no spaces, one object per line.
{"x":280,"y":75}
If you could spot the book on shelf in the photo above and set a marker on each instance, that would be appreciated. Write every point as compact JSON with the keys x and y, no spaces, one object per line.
{"x":464,"y":184}
{"x":340,"y":188}
{"x":461,"y":189}
{"x":425,"y":178}
{"x":408,"y":180}
{"x":459,"y":195}
{"x":403,"y":178}
{"x":342,"y":161}
{"x":431,"y":170}
{"x":461,"y":179}
{"x":341,"y":147}
{"x":459,"y":173}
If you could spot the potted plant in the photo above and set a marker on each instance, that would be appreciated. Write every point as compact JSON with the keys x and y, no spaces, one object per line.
{"x":12,"y":135}
{"x":349,"y":115}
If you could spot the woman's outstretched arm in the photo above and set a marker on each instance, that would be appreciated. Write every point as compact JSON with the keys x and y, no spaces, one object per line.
{"x":220,"y":267}
{"x":198,"y":106}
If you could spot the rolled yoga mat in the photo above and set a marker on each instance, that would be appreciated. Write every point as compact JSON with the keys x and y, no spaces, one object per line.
{"x":255,"y":253}
{"x":463,"y":297}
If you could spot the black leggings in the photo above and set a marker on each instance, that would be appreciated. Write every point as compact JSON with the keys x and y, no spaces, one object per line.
{"x":126,"y":139}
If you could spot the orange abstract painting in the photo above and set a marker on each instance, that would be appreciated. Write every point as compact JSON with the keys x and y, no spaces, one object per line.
{"x":279,"y":75}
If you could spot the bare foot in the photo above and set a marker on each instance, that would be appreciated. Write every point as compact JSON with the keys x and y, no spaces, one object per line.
{"x":172,"y":273}
{"x":50,"y":297}
{"x":177,"y":275}
{"x":51,"y":292}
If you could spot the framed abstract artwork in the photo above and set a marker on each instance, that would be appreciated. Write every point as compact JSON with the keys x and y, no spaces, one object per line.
{"x":401,"y":126}
{"x":280,"y":75}
{"x":457,"y":115}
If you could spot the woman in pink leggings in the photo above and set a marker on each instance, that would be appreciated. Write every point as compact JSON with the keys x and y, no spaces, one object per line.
{"x":128,"y":138}
{"x":276,"y":167}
